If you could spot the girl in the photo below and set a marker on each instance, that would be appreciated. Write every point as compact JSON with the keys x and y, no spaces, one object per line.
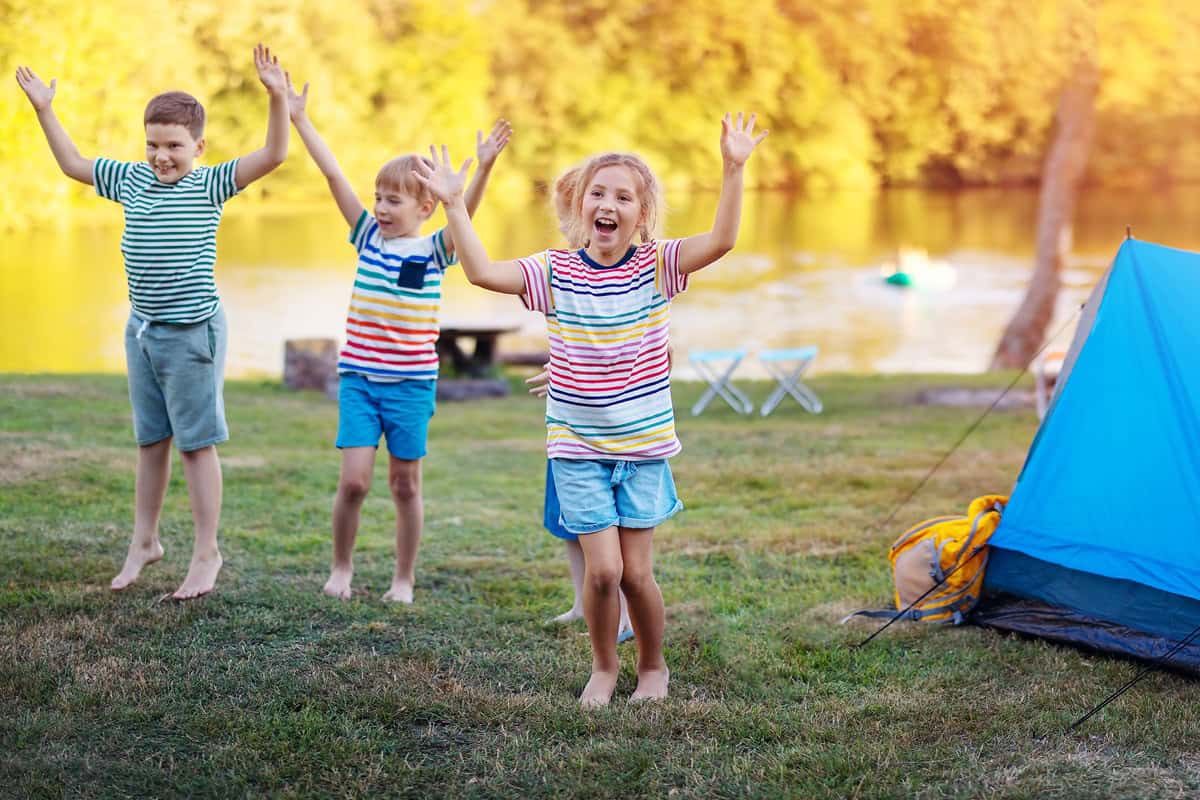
{"x":539,"y":387}
{"x":609,"y":416}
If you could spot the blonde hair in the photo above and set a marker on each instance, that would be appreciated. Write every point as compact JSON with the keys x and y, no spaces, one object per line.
{"x":398,"y":173}
{"x":571,"y":185}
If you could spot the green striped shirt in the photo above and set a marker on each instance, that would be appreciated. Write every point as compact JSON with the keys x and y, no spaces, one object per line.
{"x":170,"y":237}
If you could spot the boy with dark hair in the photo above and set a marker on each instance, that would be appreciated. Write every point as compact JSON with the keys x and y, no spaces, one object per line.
{"x":176,"y":336}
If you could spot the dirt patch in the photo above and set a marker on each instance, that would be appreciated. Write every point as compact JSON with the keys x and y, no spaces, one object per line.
{"x":22,"y":461}
{"x":50,"y":390}
{"x":960,"y":397}
{"x":243,"y":462}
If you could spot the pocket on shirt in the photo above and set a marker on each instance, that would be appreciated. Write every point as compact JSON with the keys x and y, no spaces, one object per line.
{"x":412,"y":275}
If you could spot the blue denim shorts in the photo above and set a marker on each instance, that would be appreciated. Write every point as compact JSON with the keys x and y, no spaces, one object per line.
{"x":551,"y":515}
{"x":594,"y":495}
{"x":177,"y":381}
{"x":398,"y":410}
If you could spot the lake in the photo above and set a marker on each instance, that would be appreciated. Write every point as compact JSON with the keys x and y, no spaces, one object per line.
{"x":806,"y":271}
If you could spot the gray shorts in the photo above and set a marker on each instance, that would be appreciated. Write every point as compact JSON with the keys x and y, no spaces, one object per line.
{"x":177,"y":381}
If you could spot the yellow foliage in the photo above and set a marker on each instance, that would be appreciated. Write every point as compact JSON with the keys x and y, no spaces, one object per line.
{"x":855,"y":92}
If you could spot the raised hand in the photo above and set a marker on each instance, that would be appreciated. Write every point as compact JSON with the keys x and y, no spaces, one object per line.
{"x":40,"y":95}
{"x":487,"y":150}
{"x":297,"y":103}
{"x":269,"y":71}
{"x":737,"y":138}
{"x":443,"y":182}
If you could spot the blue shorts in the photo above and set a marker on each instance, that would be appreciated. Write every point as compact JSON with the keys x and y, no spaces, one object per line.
{"x":397,"y":410}
{"x":595,"y":495}
{"x":177,"y":381}
{"x":551,"y":518}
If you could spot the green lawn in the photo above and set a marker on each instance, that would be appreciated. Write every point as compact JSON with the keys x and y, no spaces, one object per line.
{"x":267,"y":687}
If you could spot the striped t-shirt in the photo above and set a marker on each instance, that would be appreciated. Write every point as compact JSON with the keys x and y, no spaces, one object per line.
{"x":610,"y":379}
{"x":392,"y":326}
{"x":170,"y":237}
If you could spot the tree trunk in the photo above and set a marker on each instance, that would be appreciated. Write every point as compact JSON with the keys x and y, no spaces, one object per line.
{"x":1061,"y":174}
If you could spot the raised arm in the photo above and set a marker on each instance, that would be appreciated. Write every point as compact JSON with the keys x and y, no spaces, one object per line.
{"x":343,"y":193}
{"x":487,"y":151}
{"x":41,"y":97}
{"x":447,"y":186}
{"x":253,"y":166}
{"x":737,"y":143}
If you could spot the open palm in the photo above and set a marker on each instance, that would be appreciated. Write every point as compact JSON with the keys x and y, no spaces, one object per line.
{"x":297,"y":101}
{"x":269,"y":71}
{"x":737,"y":138}
{"x":441,"y":179}
{"x":39,"y":94}
{"x":487,"y":150}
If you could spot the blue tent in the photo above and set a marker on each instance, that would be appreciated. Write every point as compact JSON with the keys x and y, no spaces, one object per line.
{"x":1100,"y":542}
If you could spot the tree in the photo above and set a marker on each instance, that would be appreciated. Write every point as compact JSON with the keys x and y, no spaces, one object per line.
{"x":1064,"y":167}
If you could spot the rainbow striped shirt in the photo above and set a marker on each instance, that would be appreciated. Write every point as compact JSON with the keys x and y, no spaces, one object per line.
{"x":392,"y":325}
{"x":610,"y":379}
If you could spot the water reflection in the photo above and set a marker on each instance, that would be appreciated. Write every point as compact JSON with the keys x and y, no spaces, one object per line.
{"x":806,"y":271}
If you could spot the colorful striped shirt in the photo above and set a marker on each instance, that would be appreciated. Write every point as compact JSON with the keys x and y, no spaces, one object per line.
{"x":610,"y":379}
{"x":170,"y":237}
{"x":392,"y":325}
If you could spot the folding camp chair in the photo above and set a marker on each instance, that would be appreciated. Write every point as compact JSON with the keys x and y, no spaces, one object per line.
{"x":786,"y":367}
{"x":709,"y":364}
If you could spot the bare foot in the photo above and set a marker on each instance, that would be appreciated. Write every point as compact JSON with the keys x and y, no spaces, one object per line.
{"x":338,"y":584}
{"x":567,"y":616}
{"x":401,"y":592}
{"x":599,"y":690}
{"x":651,"y":685}
{"x":139,"y":556}
{"x":201,"y":576}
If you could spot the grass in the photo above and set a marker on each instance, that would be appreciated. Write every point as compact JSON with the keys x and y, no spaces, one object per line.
{"x":266,"y":687}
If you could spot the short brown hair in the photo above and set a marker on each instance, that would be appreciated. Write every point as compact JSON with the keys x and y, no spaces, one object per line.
{"x":399,"y":173}
{"x":176,"y":108}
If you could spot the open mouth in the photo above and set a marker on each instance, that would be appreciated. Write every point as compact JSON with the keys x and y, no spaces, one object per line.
{"x":605,"y":226}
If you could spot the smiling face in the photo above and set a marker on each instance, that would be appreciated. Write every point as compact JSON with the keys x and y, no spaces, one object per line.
{"x":398,"y":212}
{"x":612,"y":212}
{"x":171,"y":150}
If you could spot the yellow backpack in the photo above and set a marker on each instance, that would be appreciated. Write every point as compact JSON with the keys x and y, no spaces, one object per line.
{"x":949,"y":553}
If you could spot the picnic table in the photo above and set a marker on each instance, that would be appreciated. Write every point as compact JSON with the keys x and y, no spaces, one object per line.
{"x":481,"y":361}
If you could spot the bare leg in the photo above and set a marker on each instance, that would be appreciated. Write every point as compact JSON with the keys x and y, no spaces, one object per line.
{"x":353,"y":485}
{"x":202,"y":468}
{"x":150,"y":487}
{"x":624,"y":626}
{"x":575,"y":563}
{"x":404,"y":479}
{"x":646,"y":608}
{"x":601,"y":609}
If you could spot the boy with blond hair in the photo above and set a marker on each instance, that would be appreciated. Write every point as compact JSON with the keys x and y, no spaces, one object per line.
{"x":176,"y":335}
{"x":388,"y":367}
